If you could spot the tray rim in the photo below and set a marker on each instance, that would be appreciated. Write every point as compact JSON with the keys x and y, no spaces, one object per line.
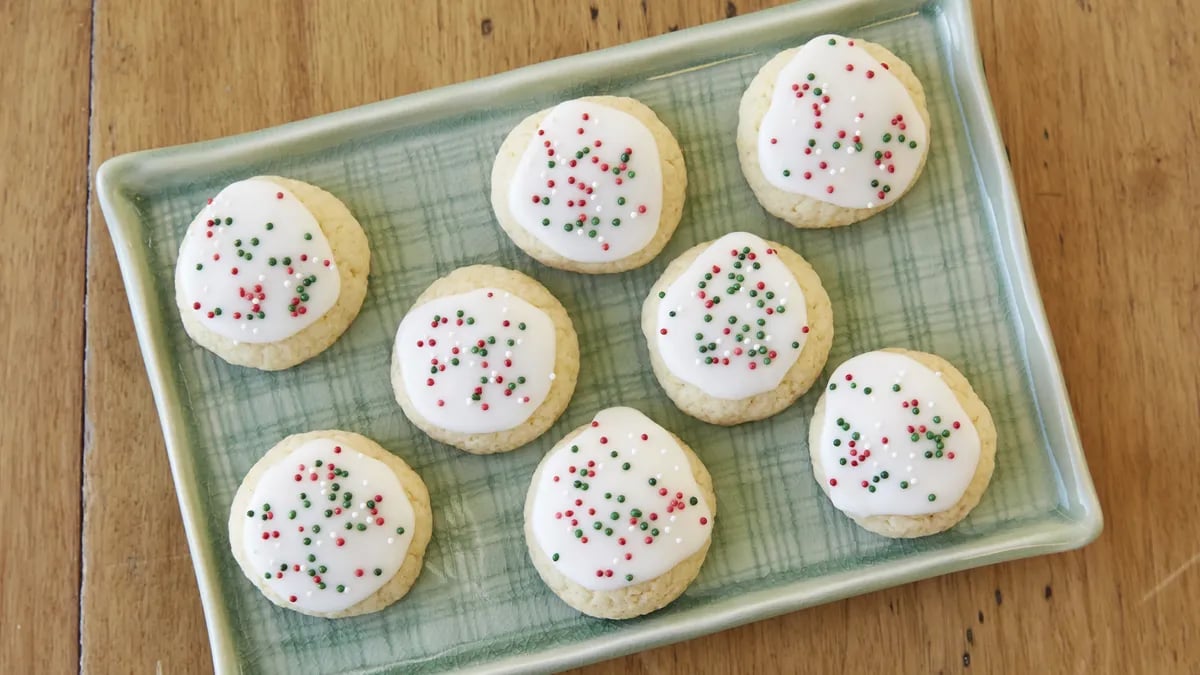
{"x":1074,"y":528}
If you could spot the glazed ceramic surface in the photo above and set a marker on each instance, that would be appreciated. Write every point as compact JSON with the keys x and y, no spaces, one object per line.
{"x":946,"y":270}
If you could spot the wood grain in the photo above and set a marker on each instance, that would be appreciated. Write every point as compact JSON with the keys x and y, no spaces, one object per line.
{"x":1094,"y":101}
{"x":43,"y":193}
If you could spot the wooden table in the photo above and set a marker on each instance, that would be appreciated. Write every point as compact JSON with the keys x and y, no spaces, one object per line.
{"x":1092,"y":96}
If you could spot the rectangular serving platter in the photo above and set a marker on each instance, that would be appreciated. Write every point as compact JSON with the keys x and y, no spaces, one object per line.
{"x":946,"y":270}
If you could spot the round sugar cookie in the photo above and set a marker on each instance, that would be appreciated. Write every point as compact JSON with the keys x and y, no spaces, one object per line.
{"x":486,"y":360}
{"x":832,"y":132}
{"x":330,"y":524}
{"x":901,"y":443}
{"x":737,"y":328}
{"x":619,"y":516}
{"x":592,"y":185}
{"x":271,"y":272}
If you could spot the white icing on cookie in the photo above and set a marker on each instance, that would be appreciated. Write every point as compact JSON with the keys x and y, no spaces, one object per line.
{"x":478,"y":362}
{"x":895,"y":441}
{"x":255,"y":265}
{"x":327,"y":526}
{"x":589,"y":185}
{"x":735,"y":321}
{"x":618,"y":505}
{"x":841,"y":128}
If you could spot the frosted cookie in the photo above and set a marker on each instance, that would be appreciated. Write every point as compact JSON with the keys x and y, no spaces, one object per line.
{"x":619,"y":516}
{"x":832,"y":132}
{"x":330,"y":524}
{"x":738,"y":329}
{"x":591,"y":185}
{"x":486,"y":360}
{"x":900,"y":443}
{"x":271,"y":272}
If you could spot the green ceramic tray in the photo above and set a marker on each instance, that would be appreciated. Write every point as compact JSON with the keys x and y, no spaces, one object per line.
{"x":945,"y":271}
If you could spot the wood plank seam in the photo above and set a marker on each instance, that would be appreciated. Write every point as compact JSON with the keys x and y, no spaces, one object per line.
{"x":84,"y":427}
